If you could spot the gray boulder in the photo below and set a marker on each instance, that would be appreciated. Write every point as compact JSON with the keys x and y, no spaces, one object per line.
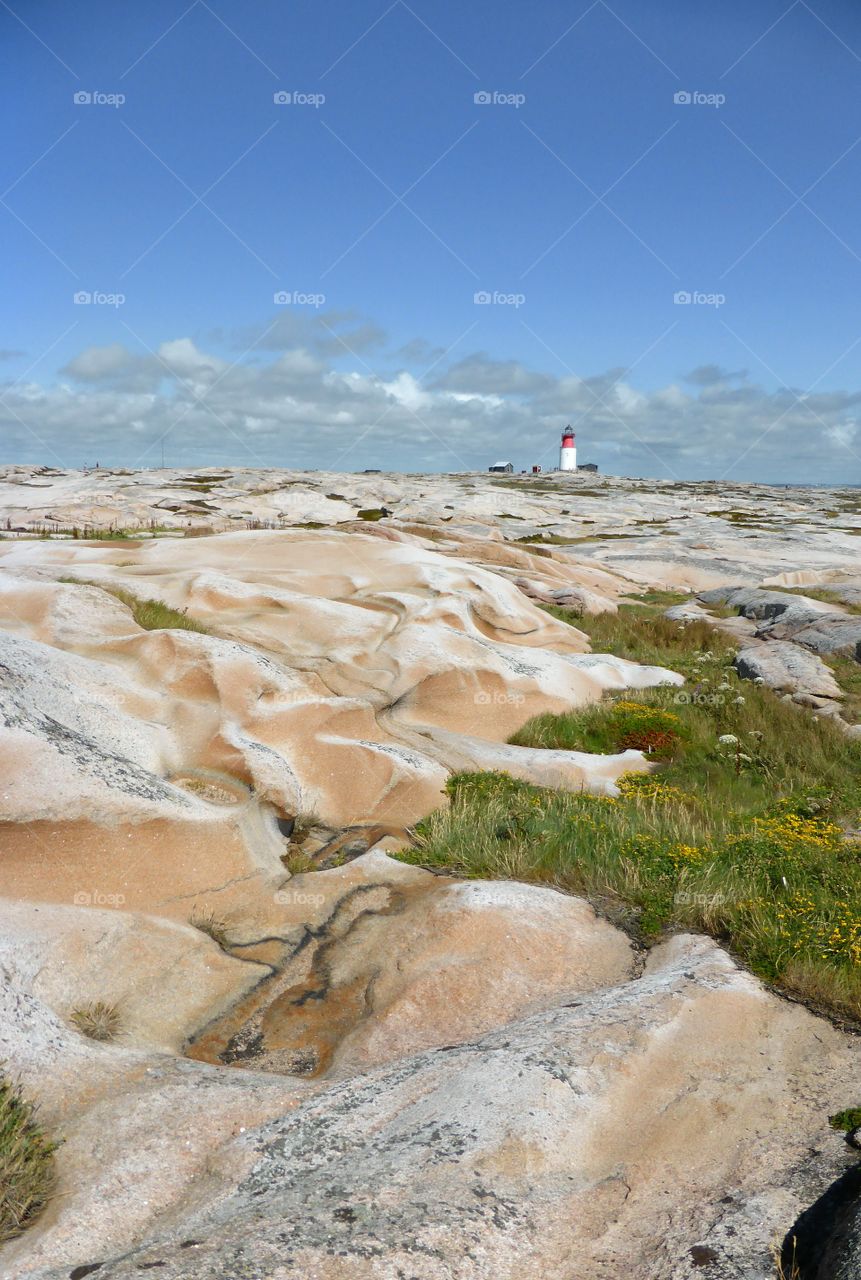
{"x":756,"y":602}
{"x":689,"y":611}
{"x":828,"y":633}
{"x":786,"y":668}
{"x":818,"y":626}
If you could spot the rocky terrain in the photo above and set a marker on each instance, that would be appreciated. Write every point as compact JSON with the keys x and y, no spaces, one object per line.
{"x":228,"y":697}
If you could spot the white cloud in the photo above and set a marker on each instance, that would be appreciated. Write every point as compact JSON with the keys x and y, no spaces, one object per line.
{"x":184,"y":359}
{"x":843,"y":434}
{"x":115,"y":365}
{"x":407,"y":392}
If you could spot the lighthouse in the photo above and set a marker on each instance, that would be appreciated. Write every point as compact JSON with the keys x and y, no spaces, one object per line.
{"x":568,"y":451}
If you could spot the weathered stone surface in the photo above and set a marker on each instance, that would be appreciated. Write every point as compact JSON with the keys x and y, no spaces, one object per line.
{"x":785,"y":667}
{"x":500,"y":1093}
{"x":756,"y":602}
{"x":70,"y":956}
{"x":318,"y":638}
{"x":402,"y":963}
{"x":690,"y":611}
{"x":829,"y":634}
{"x":579,"y":599}
{"x":816,"y":625}
{"x":516,"y":1154}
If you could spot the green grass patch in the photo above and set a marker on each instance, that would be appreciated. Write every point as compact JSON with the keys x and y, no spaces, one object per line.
{"x":427,"y":531}
{"x":535,"y":484}
{"x":155,"y":615}
{"x":738,"y":517}
{"x":663,"y":598}
{"x":563,"y":612}
{"x":90,"y":533}
{"x":605,"y":730}
{"x":152,"y":615}
{"x":743,"y":830}
{"x":551,"y":539}
{"x":847,"y":673}
{"x":26,"y":1162}
{"x":370,"y":513}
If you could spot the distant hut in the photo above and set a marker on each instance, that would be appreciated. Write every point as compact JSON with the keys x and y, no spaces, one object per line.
{"x":502,"y":466}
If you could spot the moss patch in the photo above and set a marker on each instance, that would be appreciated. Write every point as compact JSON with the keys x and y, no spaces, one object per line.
{"x":846,"y":1120}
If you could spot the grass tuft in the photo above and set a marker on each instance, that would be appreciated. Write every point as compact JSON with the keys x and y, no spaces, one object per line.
{"x":298,"y":863}
{"x":97,"y":1020}
{"x":303,"y":824}
{"x":26,"y":1162}
{"x":786,"y":1268}
{"x":214,"y":926}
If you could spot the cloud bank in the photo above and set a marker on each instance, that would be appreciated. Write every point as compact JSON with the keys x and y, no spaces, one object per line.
{"x":325,"y":393}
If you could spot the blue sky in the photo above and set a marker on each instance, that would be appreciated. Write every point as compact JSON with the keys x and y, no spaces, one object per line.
{"x":582,"y":198}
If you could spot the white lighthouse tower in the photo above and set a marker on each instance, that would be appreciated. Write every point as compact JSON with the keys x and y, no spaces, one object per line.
{"x":568,"y":451}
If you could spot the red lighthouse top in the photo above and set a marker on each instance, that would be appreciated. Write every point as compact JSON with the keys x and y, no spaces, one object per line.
{"x":567,"y":438}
